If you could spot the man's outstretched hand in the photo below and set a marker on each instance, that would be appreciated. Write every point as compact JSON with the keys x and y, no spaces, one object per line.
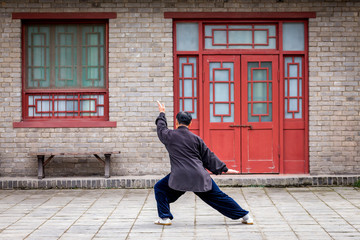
{"x":161,"y":107}
{"x":232,"y":171}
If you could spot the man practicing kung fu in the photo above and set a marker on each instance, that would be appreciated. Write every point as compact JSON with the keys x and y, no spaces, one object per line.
{"x":189,"y":159}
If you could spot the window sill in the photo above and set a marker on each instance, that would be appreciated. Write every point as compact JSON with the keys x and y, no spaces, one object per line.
{"x":64,"y":124}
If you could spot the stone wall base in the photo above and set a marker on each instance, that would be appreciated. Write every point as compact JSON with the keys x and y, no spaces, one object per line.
{"x":149,"y":181}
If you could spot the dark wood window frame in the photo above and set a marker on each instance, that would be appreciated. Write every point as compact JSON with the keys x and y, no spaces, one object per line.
{"x":77,"y":94}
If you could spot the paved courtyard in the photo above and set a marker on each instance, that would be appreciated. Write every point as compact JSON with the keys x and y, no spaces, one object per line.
{"x":279,"y":213}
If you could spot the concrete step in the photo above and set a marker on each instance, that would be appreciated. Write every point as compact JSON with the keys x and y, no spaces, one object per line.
{"x":149,"y":181}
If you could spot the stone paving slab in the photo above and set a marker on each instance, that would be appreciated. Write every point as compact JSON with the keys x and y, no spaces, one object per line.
{"x":307,"y":213}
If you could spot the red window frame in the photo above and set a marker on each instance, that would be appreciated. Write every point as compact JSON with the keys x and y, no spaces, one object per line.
{"x":193,"y":78}
{"x":227,"y":29}
{"x":228,"y":82}
{"x":195,"y":67}
{"x":300,"y":94}
{"x":84,"y":118}
{"x":251,"y":102}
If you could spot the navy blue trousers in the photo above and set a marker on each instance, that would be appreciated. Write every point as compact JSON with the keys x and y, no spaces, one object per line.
{"x":165,"y":195}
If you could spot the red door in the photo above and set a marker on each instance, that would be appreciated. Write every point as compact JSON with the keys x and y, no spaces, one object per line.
{"x":260,"y":107}
{"x":222,"y":108}
{"x":241,"y":123}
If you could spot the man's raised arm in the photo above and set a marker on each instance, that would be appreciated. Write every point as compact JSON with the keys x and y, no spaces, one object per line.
{"x":161,"y":123}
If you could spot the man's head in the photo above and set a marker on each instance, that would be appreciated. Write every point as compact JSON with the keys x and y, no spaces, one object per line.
{"x":183,"y":118}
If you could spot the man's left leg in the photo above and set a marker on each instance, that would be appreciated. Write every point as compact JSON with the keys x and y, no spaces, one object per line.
{"x":222,"y":202}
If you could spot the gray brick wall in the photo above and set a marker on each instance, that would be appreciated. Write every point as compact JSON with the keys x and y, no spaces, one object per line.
{"x":334,"y":56}
{"x":141,"y":71}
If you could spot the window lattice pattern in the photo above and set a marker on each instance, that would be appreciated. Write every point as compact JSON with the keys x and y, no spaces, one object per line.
{"x":231,"y":36}
{"x":188,"y":85}
{"x":293,"y":87}
{"x":221,"y":91}
{"x":67,"y":105}
{"x":65,"y":56}
{"x":260,"y":92}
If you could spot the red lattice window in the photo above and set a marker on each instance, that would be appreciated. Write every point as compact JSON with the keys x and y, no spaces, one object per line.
{"x":65,"y":105}
{"x":293,"y":78}
{"x":65,"y":72}
{"x":188,"y":80}
{"x":221,"y":85}
{"x":236,"y":36}
{"x":259,"y":91}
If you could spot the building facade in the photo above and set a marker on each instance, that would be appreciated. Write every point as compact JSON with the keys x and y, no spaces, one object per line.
{"x":273,"y":86}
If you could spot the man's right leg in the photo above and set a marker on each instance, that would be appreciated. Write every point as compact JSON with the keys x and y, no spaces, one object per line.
{"x":164,"y":195}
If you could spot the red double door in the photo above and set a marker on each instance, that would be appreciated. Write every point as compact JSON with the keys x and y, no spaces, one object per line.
{"x":241,"y":111}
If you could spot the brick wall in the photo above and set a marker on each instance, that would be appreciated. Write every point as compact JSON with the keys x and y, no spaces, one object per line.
{"x":334,"y":56}
{"x":140,"y":72}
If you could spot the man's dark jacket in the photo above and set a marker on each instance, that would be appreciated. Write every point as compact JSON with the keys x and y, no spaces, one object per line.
{"x":189,"y":158}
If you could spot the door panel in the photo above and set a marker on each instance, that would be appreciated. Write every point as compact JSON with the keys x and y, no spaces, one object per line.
{"x":260,"y":152}
{"x":241,"y":111}
{"x":260,"y":111}
{"x":223,"y":144}
{"x":221,"y":104}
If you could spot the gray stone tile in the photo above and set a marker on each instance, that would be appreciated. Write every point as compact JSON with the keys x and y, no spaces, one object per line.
{"x":279,"y":213}
{"x":144,"y":236}
{"x":115,"y":236}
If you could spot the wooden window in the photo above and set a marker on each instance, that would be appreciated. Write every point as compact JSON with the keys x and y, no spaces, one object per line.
{"x":259,"y":91}
{"x":66,"y":57}
{"x":188,"y":81}
{"x":293,"y":80}
{"x":221,"y":85}
{"x":237,"y":36}
{"x":65,"y":75}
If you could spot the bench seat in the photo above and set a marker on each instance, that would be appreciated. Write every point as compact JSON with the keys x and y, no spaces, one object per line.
{"x":42,"y":162}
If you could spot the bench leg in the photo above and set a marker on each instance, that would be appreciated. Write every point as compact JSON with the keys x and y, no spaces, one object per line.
{"x":107,"y":165}
{"x":41,"y":172}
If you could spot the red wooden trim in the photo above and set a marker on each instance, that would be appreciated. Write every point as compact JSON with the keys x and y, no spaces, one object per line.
{"x":106,"y":99}
{"x":23,"y":73}
{"x":63,"y":124}
{"x":306,"y":97}
{"x":280,"y":98}
{"x":281,"y":110}
{"x":69,"y":91}
{"x":175,"y":75}
{"x":201,"y":82}
{"x":67,"y":15}
{"x":294,"y":124}
{"x":239,"y":15}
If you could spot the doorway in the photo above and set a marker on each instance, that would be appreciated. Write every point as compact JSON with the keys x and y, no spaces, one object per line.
{"x":246,"y":86}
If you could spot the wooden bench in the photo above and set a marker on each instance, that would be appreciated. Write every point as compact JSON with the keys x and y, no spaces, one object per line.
{"x":42,"y":162}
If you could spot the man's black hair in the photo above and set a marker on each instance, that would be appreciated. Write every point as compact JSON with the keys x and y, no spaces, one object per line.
{"x":184,"y":118}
